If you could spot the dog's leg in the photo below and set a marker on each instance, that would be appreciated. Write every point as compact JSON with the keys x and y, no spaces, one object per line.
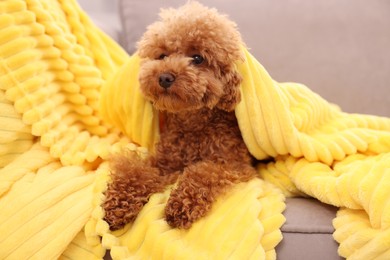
{"x":133,"y":182}
{"x":198,"y":188}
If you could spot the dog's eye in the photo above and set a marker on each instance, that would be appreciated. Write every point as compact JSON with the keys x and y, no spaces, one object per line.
{"x":162,"y":56}
{"x":197,"y":59}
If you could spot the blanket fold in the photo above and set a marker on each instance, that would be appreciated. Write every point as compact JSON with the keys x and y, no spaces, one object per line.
{"x":32,"y":221}
{"x":287,"y":118}
{"x":69,"y":97}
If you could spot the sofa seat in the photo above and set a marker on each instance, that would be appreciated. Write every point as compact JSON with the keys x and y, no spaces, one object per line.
{"x":307,"y":232}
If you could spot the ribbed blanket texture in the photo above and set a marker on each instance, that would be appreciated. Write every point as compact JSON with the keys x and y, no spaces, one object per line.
{"x":69,"y":97}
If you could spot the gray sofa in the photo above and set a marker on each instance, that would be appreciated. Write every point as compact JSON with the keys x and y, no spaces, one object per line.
{"x":339,"y":48}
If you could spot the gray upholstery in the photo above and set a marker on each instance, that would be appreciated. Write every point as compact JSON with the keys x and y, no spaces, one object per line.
{"x":307,"y":233}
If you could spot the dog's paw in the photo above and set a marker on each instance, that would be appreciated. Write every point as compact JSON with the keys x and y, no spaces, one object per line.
{"x":120,"y":212}
{"x":182,"y":212}
{"x":179,"y":215}
{"x":133,"y":182}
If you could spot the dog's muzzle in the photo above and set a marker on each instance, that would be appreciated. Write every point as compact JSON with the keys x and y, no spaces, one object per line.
{"x":166,"y":80}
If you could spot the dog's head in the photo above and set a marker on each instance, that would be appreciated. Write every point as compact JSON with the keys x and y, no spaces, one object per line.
{"x":188,"y":60}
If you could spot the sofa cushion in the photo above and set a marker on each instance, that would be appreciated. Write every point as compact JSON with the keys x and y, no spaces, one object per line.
{"x":307,"y":233}
{"x":339,"y":48}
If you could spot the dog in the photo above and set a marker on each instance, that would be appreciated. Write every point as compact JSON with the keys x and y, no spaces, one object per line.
{"x":188,"y":73}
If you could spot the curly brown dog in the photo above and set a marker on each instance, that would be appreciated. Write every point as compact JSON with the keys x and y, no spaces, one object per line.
{"x":188,"y":74}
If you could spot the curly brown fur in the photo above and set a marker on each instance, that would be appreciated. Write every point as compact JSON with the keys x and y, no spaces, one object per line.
{"x":133,"y":182}
{"x":201,"y":143}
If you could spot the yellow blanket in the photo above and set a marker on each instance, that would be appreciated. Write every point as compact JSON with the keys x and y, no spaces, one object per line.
{"x":69,"y":97}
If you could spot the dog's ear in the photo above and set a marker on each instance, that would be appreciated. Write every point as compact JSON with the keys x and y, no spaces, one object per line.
{"x":232,"y":96}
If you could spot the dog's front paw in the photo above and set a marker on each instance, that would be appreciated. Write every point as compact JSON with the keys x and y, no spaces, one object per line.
{"x":182,"y":211}
{"x":120,"y":211}
{"x":179,"y":215}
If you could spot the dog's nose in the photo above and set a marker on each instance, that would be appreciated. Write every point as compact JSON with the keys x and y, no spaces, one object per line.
{"x":166,"y":80}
